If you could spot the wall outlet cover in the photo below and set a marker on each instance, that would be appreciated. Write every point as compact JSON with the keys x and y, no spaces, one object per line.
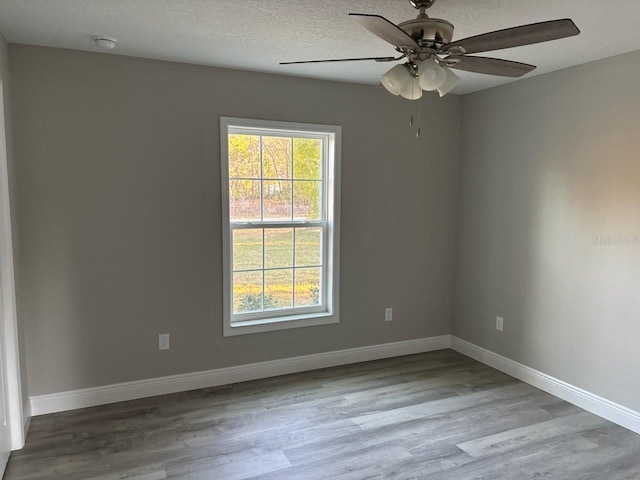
{"x":163,"y":341}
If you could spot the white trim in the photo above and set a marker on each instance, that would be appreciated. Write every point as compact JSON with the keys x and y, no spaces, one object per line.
{"x":8,"y":293}
{"x":280,"y":323}
{"x":89,"y":397}
{"x":591,"y":402}
{"x":329,"y":311}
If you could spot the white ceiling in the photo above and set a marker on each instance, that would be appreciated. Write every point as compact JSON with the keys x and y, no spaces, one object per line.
{"x":256,"y":35}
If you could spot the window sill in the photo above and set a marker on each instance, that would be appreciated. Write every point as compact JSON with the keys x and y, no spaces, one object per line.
{"x":282,"y":323}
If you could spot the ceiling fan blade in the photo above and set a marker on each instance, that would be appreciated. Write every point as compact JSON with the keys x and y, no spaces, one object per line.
{"x":516,"y":36}
{"x":377,"y":59}
{"x":386,"y":30}
{"x":492,"y":66}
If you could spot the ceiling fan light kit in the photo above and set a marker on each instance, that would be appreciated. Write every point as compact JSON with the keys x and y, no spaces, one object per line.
{"x":410,"y":79}
{"x":426,"y":44}
{"x":449,"y":84}
{"x":396,"y":79}
{"x":431,"y":75}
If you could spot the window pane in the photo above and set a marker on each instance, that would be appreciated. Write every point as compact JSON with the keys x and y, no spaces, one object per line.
{"x":278,"y":247}
{"x":247,"y":292}
{"x":247,"y":249}
{"x":276,"y":157}
{"x":307,"y":200}
{"x":307,"y":158}
{"x":244,"y":200}
{"x":277,"y":200}
{"x":244,"y":156}
{"x":278,"y":289}
{"x":307,"y":287}
{"x":308,"y":247}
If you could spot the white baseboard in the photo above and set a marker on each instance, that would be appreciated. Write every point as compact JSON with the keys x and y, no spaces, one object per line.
{"x":90,"y":397}
{"x":593,"y":403}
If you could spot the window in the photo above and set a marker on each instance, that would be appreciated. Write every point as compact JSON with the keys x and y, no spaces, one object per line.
{"x":280,"y":187}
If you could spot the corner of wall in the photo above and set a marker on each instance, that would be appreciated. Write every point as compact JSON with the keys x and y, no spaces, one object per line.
{"x":456,"y":207}
{"x":14,"y":341}
{"x":27,"y":423}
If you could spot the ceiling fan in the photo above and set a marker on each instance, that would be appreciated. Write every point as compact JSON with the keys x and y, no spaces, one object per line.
{"x":430,"y":54}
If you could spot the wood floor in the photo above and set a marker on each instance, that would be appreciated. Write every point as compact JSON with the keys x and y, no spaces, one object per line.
{"x":437,"y":415}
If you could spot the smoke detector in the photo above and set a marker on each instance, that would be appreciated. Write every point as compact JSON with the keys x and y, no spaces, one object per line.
{"x":105,"y":43}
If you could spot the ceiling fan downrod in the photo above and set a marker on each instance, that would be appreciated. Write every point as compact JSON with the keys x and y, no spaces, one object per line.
{"x":422,"y":4}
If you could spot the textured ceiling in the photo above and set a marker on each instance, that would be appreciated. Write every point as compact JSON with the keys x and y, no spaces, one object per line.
{"x":256,"y":35}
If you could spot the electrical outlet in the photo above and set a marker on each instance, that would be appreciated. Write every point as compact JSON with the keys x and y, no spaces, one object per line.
{"x":388,"y":314}
{"x":163,"y":341}
{"x":499,"y":323}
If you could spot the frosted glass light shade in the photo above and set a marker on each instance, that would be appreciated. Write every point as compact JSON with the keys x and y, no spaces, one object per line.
{"x":431,"y":75}
{"x":450,"y":82}
{"x":396,"y":79}
{"x":412,"y":90}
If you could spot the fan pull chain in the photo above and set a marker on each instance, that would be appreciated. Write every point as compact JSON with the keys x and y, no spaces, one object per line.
{"x":411,"y":112}
{"x":419,"y":119}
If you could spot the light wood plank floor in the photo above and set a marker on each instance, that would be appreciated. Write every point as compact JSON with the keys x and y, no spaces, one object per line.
{"x":437,"y":415}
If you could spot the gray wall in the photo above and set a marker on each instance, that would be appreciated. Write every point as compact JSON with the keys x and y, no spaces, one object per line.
{"x":119,"y":198}
{"x":548,"y":164}
{"x":13,"y":203}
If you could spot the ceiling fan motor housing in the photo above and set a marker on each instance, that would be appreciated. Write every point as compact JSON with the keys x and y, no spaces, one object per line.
{"x":427,"y":31}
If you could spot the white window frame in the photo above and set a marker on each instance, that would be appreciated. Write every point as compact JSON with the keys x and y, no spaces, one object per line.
{"x":328,"y":312}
